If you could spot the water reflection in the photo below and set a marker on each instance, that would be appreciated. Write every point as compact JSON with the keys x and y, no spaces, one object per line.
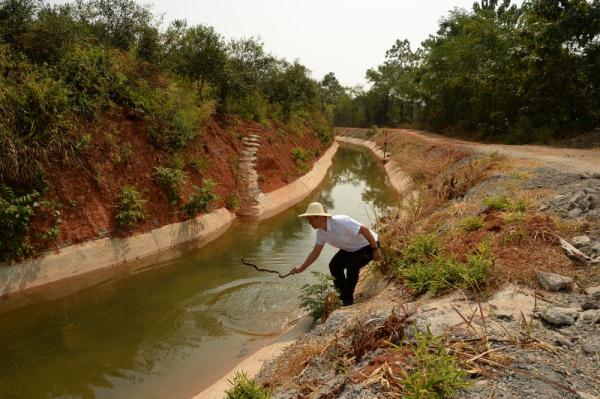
{"x":170,"y":331}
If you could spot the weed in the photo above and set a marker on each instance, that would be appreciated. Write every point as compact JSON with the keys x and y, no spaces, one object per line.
{"x":426,"y":268}
{"x":15,"y":213}
{"x":300,"y":157}
{"x":521,"y":205}
{"x":126,"y":152}
{"x":499,"y":202}
{"x":472,"y":223}
{"x":372,"y":131}
{"x":177,"y":161}
{"x":84,"y":143}
{"x":199,"y":163}
{"x":513,"y":217}
{"x":434,"y":373}
{"x":130,"y":207}
{"x":243,"y":387}
{"x":170,"y":181}
{"x":202,"y":198}
{"x":232,"y":202}
{"x":312,"y":296}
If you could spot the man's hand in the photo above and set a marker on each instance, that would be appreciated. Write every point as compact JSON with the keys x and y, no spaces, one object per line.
{"x":377,"y":255}
{"x":296,"y":270}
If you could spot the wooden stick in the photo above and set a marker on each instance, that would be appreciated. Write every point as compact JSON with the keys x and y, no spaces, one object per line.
{"x":266,"y":270}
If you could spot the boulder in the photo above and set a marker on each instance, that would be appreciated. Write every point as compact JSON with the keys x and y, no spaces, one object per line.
{"x":580,"y":241}
{"x":553,"y":282}
{"x":575,"y":212}
{"x":591,"y":316}
{"x":560,"y":316}
{"x":591,"y":346}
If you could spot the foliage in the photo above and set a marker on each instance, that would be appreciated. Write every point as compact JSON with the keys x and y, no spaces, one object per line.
{"x":513,"y":73}
{"x":243,"y":387}
{"x":232,"y":202}
{"x":472,"y":223}
{"x":434,"y":373}
{"x":426,"y":268}
{"x":300,"y":157}
{"x":67,"y":65}
{"x":130,"y":207}
{"x":15,"y":213}
{"x":499,"y":202}
{"x":202,"y":198}
{"x":312,"y":296}
{"x":170,"y":181}
{"x":174,"y":118}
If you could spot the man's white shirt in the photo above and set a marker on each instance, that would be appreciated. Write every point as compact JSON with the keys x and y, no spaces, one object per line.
{"x":343,"y":233}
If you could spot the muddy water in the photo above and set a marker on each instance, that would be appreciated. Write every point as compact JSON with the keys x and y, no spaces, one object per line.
{"x":177,"y":327}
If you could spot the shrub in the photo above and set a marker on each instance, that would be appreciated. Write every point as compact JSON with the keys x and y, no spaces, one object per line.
{"x":472,"y":223}
{"x":433,"y":373}
{"x":174,"y":117}
{"x":202,"y":199}
{"x":243,"y":387}
{"x":232,"y":202}
{"x":312,"y":296}
{"x":426,"y":268}
{"x":499,"y":202}
{"x":130,"y":207}
{"x":300,"y":157}
{"x":170,"y":181}
{"x":199,"y":163}
{"x":15,"y":213}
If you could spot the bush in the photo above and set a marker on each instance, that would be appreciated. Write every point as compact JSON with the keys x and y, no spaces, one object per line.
{"x":433,"y":373}
{"x":201,"y":200}
{"x":312,"y":296}
{"x":243,"y":387}
{"x":15,"y":214}
{"x":300,"y":157}
{"x":472,"y":223}
{"x":170,"y":181}
{"x":499,"y":202}
{"x":232,"y":202}
{"x":130,"y":207}
{"x":174,"y":118}
{"x":426,"y":268}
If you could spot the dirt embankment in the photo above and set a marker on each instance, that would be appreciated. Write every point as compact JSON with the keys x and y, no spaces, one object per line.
{"x":527,"y":326}
{"x":81,"y":198}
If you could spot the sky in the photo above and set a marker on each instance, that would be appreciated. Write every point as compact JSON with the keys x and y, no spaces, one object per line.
{"x":344,"y":37}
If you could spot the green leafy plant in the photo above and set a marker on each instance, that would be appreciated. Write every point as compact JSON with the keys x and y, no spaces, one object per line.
{"x":243,"y":387}
{"x":232,"y":202}
{"x":425,"y":268}
{"x":170,"y":181}
{"x":199,"y":163}
{"x":15,"y":214}
{"x":312,"y":296}
{"x":202,"y":198}
{"x":433,"y":373}
{"x":472,"y":223}
{"x":300,"y":157}
{"x":499,"y":202}
{"x":130,"y":207}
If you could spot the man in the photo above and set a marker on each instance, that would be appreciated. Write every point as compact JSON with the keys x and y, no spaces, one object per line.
{"x":358,"y":246}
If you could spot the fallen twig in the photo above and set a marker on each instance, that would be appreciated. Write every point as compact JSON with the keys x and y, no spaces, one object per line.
{"x":260,"y":269}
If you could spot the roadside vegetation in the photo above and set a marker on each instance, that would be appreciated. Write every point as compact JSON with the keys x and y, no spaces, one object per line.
{"x":71,"y":71}
{"x":499,"y":71}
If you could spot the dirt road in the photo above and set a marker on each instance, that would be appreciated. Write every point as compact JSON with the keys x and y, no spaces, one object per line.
{"x":571,"y":159}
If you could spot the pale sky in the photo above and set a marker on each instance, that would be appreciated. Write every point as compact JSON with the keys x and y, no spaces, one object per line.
{"x":345,"y":37}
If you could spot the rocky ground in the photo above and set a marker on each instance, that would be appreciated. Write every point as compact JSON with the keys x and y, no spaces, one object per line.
{"x":540,"y":340}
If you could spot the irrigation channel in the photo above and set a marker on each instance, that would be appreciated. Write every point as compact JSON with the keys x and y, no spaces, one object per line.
{"x":181,"y":324}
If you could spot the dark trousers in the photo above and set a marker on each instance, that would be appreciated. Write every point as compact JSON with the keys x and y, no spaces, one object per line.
{"x":350,"y":263}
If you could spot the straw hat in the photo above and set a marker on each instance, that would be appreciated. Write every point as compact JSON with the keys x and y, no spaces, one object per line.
{"x":314,"y":209}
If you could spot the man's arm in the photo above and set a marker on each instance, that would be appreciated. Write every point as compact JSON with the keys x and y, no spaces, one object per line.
{"x":312,"y":256}
{"x":369,"y":237}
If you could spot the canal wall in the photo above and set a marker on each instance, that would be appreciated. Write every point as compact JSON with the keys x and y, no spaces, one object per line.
{"x":399,"y":180}
{"x":108,"y":257}
{"x":279,"y":200}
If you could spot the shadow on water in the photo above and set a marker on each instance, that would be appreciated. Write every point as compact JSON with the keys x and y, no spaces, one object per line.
{"x":173,"y":329}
